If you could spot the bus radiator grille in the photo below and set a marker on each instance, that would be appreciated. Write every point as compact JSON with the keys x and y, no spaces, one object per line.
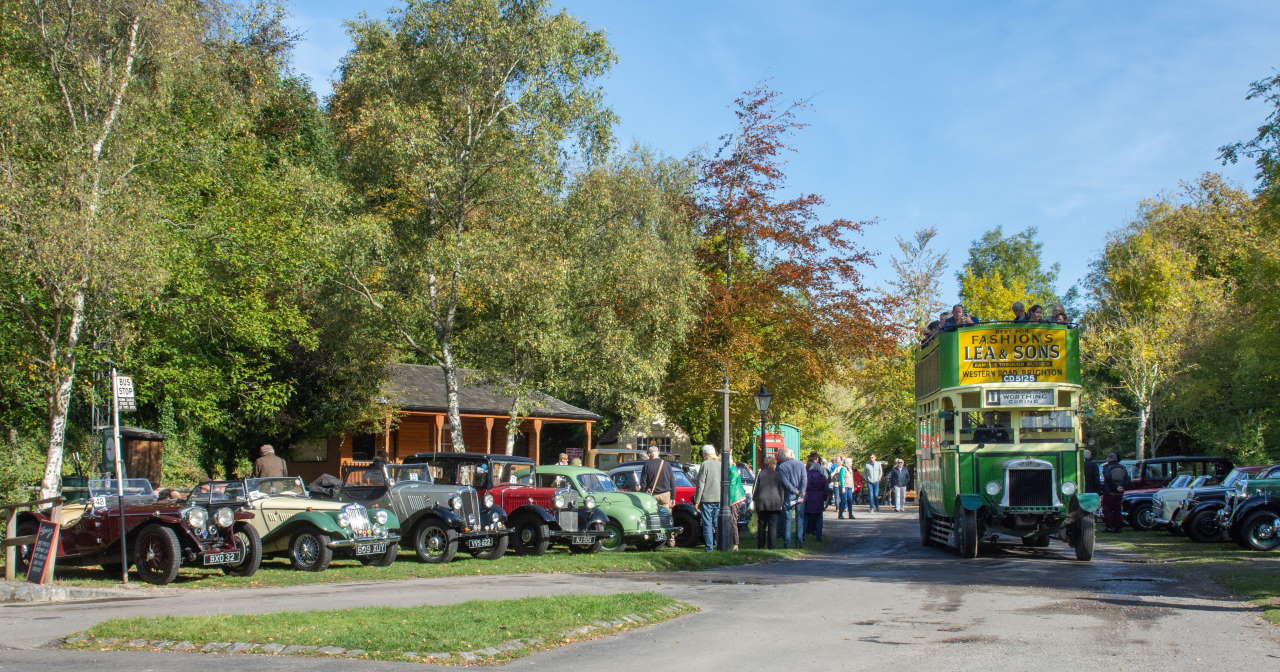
{"x":1030,"y":487}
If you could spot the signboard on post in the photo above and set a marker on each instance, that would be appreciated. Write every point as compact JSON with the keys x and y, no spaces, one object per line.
{"x":43,"y":553}
{"x":126,"y":403}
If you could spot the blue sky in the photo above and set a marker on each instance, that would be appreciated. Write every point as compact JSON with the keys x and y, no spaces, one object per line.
{"x":959,"y":115}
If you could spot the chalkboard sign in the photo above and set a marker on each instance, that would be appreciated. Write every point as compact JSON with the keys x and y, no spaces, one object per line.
{"x":43,"y":552}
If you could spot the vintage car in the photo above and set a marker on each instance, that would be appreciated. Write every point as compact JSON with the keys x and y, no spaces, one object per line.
{"x":1138,"y":508}
{"x":1252,"y":513}
{"x":626,"y":477}
{"x":634,"y":517}
{"x":1157,"y":472}
{"x":1166,"y":501}
{"x":439,"y":518}
{"x":160,"y":535}
{"x":539,"y":513}
{"x":309,"y":531}
{"x":1199,"y":518}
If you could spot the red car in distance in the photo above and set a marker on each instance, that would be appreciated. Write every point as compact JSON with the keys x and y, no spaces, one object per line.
{"x":540,"y":510}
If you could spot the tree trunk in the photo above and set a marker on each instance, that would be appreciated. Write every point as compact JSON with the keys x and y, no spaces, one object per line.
{"x":1144,"y":416}
{"x":513,"y":425}
{"x":60,"y":399}
{"x":451,"y":392}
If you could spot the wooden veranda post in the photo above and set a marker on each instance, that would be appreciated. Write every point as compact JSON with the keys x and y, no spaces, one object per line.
{"x":488,"y":435}
{"x":535,"y":450}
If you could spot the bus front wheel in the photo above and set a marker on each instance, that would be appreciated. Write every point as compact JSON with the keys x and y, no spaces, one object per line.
{"x":1083,"y":536}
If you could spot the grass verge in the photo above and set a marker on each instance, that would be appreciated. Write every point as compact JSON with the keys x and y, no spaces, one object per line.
{"x":478,"y":631}
{"x":1252,"y":575}
{"x":278,"y":572}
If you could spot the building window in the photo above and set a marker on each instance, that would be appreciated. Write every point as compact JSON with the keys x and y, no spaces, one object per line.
{"x":663,"y":443}
{"x":362,"y":447}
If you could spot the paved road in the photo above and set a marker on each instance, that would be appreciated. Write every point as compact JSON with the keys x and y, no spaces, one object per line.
{"x":874,"y":600}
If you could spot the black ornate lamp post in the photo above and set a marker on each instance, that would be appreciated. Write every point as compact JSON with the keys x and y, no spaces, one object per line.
{"x":762,"y":404}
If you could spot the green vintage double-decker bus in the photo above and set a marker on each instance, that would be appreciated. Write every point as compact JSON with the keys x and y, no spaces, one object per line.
{"x":998,"y":444}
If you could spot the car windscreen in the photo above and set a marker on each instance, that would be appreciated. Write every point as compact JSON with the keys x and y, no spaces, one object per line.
{"x":596,"y":483}
{"x":276,"y":487}
{"x":409,"y":472}
{"x":133,"y":487}
{"x":218,"y":491}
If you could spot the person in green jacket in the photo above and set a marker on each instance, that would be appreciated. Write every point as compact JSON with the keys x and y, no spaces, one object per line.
{"x":738,"y":497}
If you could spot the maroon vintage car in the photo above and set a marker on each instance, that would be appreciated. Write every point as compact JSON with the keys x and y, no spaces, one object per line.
{"x":162,"y":534}
{"x":539,"y":511}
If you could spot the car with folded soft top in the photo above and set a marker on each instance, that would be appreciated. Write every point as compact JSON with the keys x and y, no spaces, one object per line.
{"x":310,"y":532}
{"x":1166,"y":501}
{"x":1198,"y":516}
{"x":634,"y":517}
{"x":437,"y":519}
{"x":161,"y":535}
{"x":539,"y":512}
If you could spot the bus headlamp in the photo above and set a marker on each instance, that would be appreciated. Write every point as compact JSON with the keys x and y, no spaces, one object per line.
{"x":1068,"y":488}
{"x":993,"y":488}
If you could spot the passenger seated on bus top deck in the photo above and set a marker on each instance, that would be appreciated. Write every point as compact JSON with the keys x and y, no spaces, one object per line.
{"x":959,"y":318}
{"x":1059,"y":315}
{"x":1019,"y":311}
{"x":989,"y":431}
{"x":929,"y":332}
{"x":1036,"y":314}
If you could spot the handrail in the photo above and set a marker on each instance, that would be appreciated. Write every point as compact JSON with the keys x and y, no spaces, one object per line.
{"x":34,"y":503}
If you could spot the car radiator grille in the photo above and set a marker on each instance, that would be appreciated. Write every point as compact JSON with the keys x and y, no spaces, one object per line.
{"x":361,"y":526}
{"x":660,"y":519}
{"x":471,"y":507}
{"x":1030,"y":487}
{"x":568,"y":521}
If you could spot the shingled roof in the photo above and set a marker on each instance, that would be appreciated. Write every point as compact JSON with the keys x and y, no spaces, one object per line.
{"x":417,"y":387}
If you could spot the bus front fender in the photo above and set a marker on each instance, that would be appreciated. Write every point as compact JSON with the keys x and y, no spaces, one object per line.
{"x":1085,"y":502}
{"x":971,"y":502}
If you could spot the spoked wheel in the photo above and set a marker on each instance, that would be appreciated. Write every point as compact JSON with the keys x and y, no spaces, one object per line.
{"x":1083,"y":537}
{"x":966,"y":532}
{"x":158,"y":556}
{"x":434,"y":542}
{"x":613,"y":540}
{"x":588,"y":548}
{"x":250,"y":545}
{"x":497,"y":550}
{"x":309,"y":551}
{"x":533,"y":537}
{"x":1203,"y":526}
{"x":1143,"y":517}
{"x":381,"y":559}
{"x":1261,"y":531}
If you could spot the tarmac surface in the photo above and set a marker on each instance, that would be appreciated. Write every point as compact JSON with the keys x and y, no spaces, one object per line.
{"x":873,"y":599}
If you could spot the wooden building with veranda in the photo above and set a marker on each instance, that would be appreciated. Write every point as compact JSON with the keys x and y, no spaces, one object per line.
{"x":417,"y":422}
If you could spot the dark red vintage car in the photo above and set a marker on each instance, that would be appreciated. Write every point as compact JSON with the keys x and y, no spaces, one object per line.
{"x":539,"y":511}
{"x":161,"y":535}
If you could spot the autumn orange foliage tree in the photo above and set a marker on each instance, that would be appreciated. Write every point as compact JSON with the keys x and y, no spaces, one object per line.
{"x":785,"y":302}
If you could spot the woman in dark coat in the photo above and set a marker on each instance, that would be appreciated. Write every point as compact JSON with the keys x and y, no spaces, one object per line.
{"x":768,"y":503}
{"x":815,"y":498}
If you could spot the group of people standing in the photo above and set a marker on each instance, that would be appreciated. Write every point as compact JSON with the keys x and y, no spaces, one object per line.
{"x":793,"y":497}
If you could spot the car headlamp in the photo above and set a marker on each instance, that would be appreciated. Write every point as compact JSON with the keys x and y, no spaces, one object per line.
{"x":993,"y":488}
{"x":455,"y":503}
{"x":488,"y":500}
{"x":196,"y":517}
{"x":380,"y":517}
{"x":344,"y":519}
{"x":590,"y":502}
{"x":558,"y":501}
{"x":224,"y":517}
{"x":1068,"y":488}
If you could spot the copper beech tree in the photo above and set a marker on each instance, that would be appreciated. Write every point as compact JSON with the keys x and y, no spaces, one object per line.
{"x":785,"y":302}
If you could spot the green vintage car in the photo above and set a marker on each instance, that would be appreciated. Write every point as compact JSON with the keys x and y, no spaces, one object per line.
{"x":634,"y":517}
{"x":310,"y":532}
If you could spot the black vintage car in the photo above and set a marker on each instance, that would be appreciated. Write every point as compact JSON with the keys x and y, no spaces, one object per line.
{"x":1252,"y":513}
{"x":1198,"y":516}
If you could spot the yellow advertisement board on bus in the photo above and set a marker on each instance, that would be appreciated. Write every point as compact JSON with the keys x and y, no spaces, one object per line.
{"x":1012,"y":356}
